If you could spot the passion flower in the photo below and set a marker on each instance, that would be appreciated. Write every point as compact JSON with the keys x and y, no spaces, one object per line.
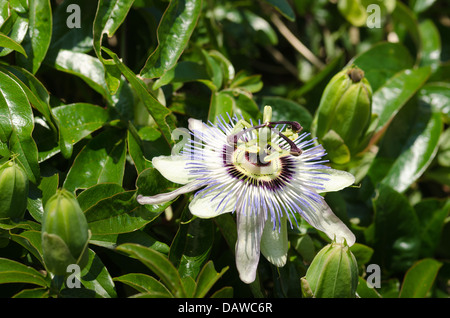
{"x":267,"y":174}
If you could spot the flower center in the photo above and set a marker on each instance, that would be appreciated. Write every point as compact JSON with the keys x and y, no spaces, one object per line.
{"x":252,"y":165}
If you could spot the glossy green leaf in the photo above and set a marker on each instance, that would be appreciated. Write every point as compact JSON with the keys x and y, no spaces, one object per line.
{"x":158,"y":111}
{"x":159,"y":264}
{"x":182,"y":72}
{"x":437,"y":94}
{"x":221,"y":104}
{"x":382,"y":61}
{"x":95,"y":277}
{"x":39,"y":34}
{"x":136,"y":151}
{"x":420,"y":278}
{"x":174,"y":32}
{"x":16,"y":125}
{"x":31,"y":241}
{"x":33,"y":293}
{"x":39,"y":195}
{"x":431,"y":214}
{"x":36,"y":92}
{"x":419,"y":149}
{"x":7,"y":42}
{"x":77,"y":121}
{"x":250,"y":83}
{"x":192,"y":245}
{"x":430,"y":53}
{"x":15,"y":27}
{"x":406,"y":24}
{"x":396,"y":231}
{"x":85,"y":66}
{"x":364,"y":291}
{"x":101,"y":160}
{"x":120,"y":213}
{"x":145,"y":284}
{"x":390,"y":98}
{"x":91,"y":196}
{"x":15,"y":272}
{"x":109,"y":16}
{"x":207,"y":278}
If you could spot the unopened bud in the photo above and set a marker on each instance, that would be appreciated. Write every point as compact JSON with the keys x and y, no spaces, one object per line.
{"x":13,"y":190}
{"x":333,"y":273}
{"x":65,"y":233}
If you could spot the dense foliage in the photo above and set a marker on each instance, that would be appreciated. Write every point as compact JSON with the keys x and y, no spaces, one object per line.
{"x":91,"y":91}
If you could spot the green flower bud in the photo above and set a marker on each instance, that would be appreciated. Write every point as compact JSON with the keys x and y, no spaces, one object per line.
{"x":13,"y":190}
{"x":344,"y":115}
{"x":65,"y":233}
{"x":333,"y":273}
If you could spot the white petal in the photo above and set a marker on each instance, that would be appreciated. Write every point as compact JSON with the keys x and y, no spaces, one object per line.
{"x":197,"y":125}
{"x":173,"y":168}
{"x":322,"y":218}
{"x":249,"y":231}
{"x":337,"y":180}
{"x":274,"y":243}
{"x":166,"y":197}
{"x":212,"y":204}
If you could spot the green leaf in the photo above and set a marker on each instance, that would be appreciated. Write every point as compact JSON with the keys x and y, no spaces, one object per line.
{"x":31,"y":241}
{"x":419,"y":149}
{"x":15,"y":272}
{"x":244,"y":104}
{"x":431,"y":214}
{"x":91,"y":196}
{"x":15,"y":27}
{"x":109,"y":16}
{"x":396,"y":231}
{"x":39,"y":195}
{"x":364,"y":291}
{"x":16,"y":125}
{"x":39,"y":34}
{"x":207,"y":278}
{"x":159,"y":264}
{"x":145,"y":284}
{"x":283,"y":7}
{"x":87,"y":67}
{"x":437,"y":94}
{"x":405,"y":22}
{"x":36,"y":92}
{"x":182,"y":72}
{"x":192,"y":245}
{"x":120,"y":213}
{"x":136,"y":152}
{"x":420,"y":278}
{"x":382,"y":61}
{"x":430,"y":53}
{"x":101,"y":160}
{"x":95,"y":276}
{"x":77,"y":121}
{"x":7,"y":42}
{"x":390,"y":98}
{"x":158,"y":111}
{"x":174,"y":32}
{"x":221,"y":104}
